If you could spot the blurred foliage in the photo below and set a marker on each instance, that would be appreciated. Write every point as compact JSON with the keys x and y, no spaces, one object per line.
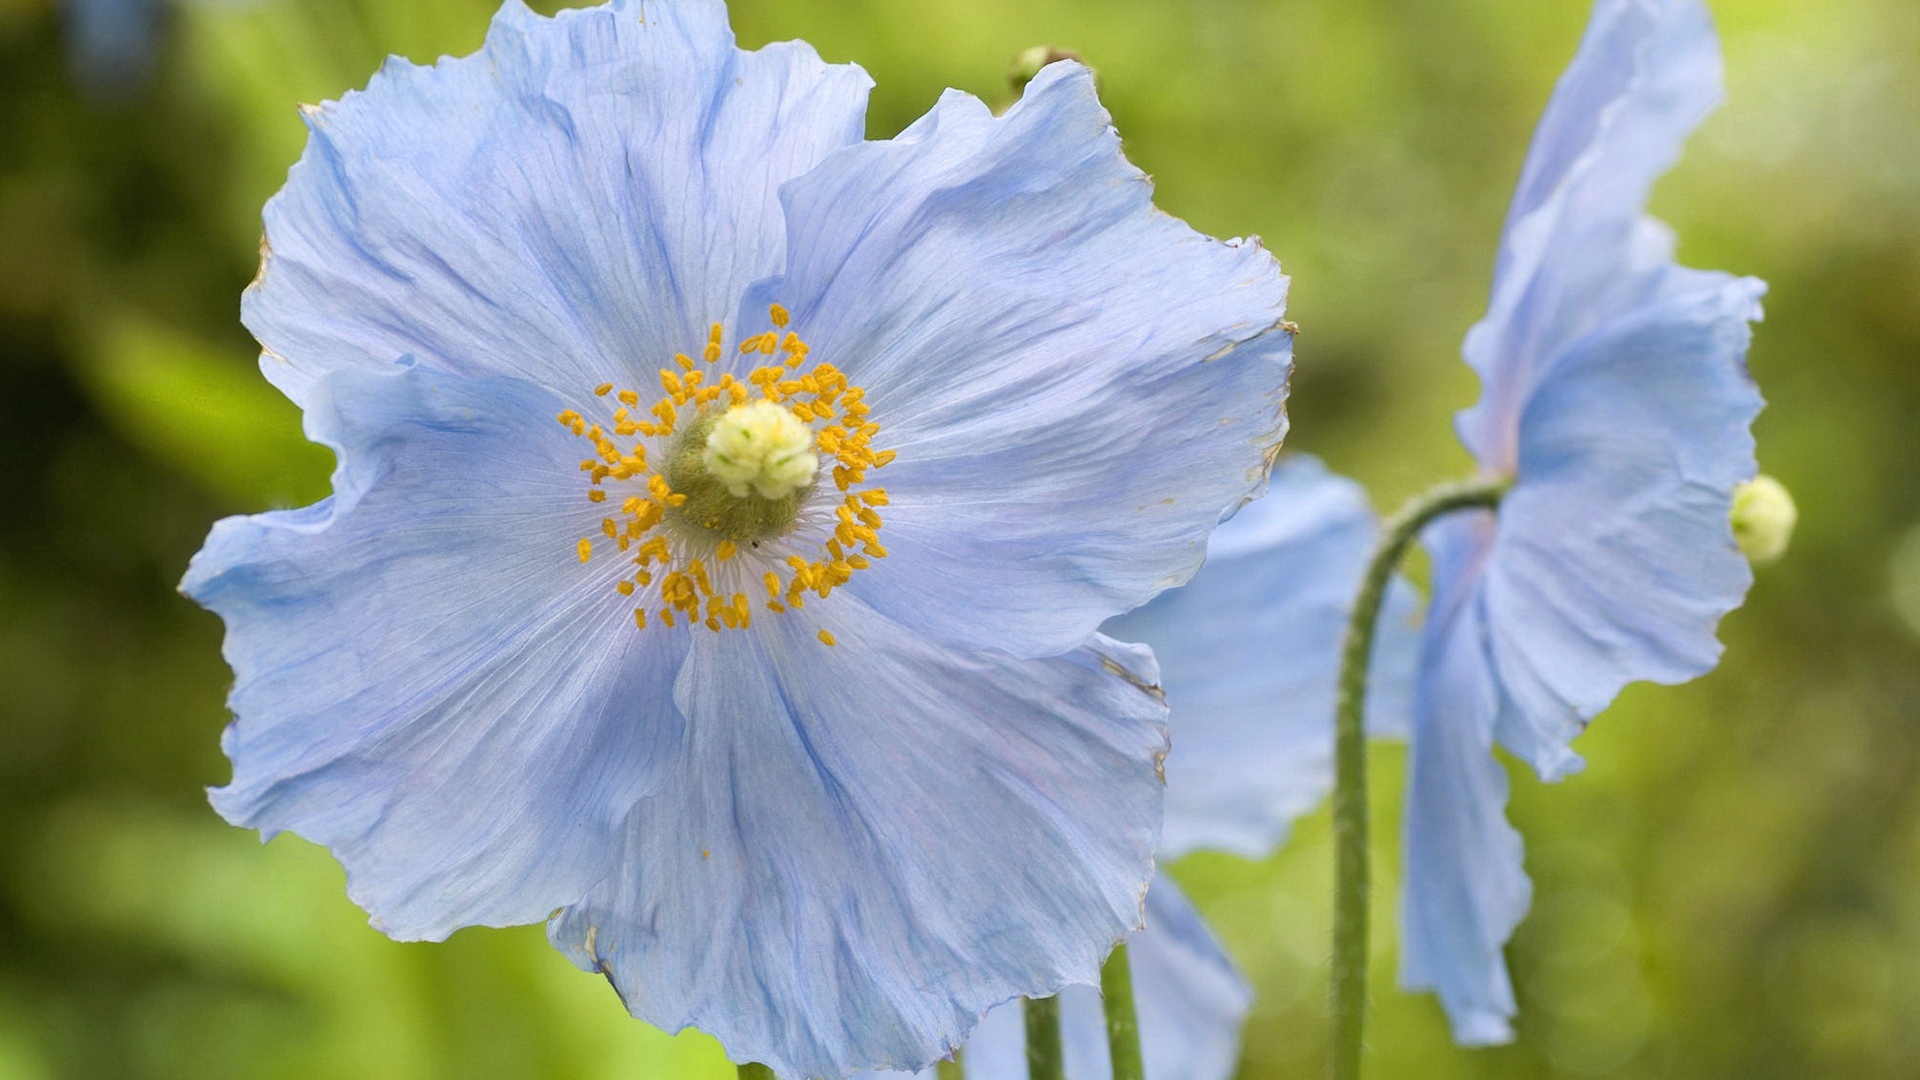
{"x":1732,"y":888}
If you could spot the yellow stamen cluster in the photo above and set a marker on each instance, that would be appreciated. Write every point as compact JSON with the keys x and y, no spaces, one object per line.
{"x":836,"y":413}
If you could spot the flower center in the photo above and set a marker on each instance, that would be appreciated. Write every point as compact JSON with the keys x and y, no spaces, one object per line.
{"x":740,"y":467}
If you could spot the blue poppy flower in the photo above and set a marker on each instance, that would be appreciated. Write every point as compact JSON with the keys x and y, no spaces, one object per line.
{"x":1617,"y":403}
{"x":1248,"y":656}
{"x":725,"y":511}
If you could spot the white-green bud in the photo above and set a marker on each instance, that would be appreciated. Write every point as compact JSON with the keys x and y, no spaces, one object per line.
{"x":1763,"y":519}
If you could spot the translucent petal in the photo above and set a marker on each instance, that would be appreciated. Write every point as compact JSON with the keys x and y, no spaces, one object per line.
{"x":574,"y":203}
{"x":1078,"y":385}
{"x":1465,"y":890}
{"x":1249,"y":656}
{"x":1578,"y":250}
{"x":871,"y":844}
{"x":426,"y":680}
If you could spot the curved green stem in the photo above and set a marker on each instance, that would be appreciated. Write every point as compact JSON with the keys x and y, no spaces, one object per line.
{"x":949,"y":1068}
{"x":753,"y":1070}
{"x":1123,"y":1027}
{"x":1044,"y":1060}
{"x":1351,"y":884}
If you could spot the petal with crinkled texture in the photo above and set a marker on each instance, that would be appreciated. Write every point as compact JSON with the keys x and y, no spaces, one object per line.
{"x":1249,"y":657}
{"x":1189,"y":998}
{"x":1022,"y":318}
{"x":869,"y":845}
{"x":578,"y":200}
{"x":426,"y":681}
{"x":1615,"y":557}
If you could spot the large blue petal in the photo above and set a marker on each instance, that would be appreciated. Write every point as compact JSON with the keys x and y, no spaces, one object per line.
{"x":426,"y":680}
{"x":869,"y":845}
{"x":1615,"y":559}
{"x":1465,"y":890}
{"x":573,"y":203}
{"x":1189,"y":998}
{"x":1249,"y":656}
{"x":1578,"y":250}
{"x":1078,"y":385}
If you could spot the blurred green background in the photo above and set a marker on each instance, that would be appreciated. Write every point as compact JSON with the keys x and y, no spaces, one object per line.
{"x":1731,"y":890}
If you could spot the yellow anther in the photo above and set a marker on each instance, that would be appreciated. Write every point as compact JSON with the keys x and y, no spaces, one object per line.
{"x":685,"y":361}
{"x":629,"y":398}
{"x":586,"y":549}
{"x":671,"y":383}
{"x":597,"y":495}
{"x":603,"y":389}
{"x":726,"y":550}
{"x":666,"y":616}
{"x":779,"y":316}
{"x":640,"y":618}
{"x":826,"y":638}
{"x":624,"y":588}
{"x":776,"y":606}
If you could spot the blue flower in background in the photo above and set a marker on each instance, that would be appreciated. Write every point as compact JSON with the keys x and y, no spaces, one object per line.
{"x":724,"y":513}
{"x":1249,"y":656}
{"x":110,"y":43}
{"x":1616,"y":400}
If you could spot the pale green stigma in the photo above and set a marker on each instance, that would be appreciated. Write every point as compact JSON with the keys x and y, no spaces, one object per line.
{"x":1763,"y":519}
{"x":761,"y":449}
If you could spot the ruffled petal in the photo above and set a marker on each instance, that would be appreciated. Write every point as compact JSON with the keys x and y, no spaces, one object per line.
{"x":871,"y":844}
{"x":1615,"y":557}
{"x":573,"y":203}
{"x":426,"y":680}
{"x":1190,"y":999}
{"x":1249,"y":657}
{"x":1465,"y":889}
{"x":1078,"y":386}
{"x":1578,"y":250}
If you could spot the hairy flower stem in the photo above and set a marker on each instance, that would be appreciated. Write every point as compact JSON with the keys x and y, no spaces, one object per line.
{"x":756,"y":1071}
{"x":1044,"y":1060}
{"x":1123,"y":1027}
{"x":949,"y":1068}
{"x":1351,"y":884}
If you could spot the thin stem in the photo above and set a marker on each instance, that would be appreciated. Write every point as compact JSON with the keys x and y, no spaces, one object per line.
{"x":949,"y":1068}
{"x":1044,"y":1060}
{"x":1351,"y":884}
{"x":753,"y":1070}
{"x":1123,"y":1027}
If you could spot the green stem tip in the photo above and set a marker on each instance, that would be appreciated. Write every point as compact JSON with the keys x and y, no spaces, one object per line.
{"x":1123,"y":1027}
{"x":1044,"y":1060}
{"x":1352,"y":887}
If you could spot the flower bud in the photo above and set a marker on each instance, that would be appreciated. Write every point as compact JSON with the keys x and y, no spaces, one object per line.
{"x":1763,"y":519}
